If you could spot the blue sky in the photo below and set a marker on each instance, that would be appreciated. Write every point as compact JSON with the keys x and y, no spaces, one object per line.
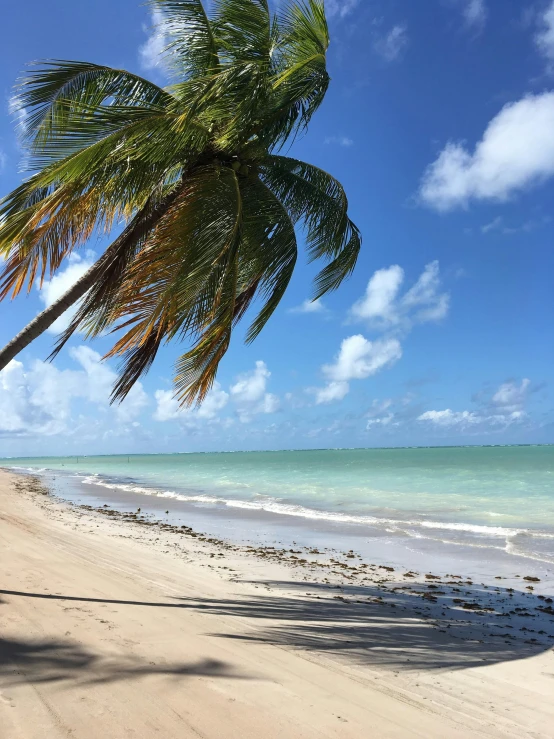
{"x":439,"y":122}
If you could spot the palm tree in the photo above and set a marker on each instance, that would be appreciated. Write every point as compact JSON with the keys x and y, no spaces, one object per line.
{"x":194,"y":174}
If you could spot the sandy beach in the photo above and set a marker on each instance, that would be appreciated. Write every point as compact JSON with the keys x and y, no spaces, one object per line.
{"x":115,"y":626}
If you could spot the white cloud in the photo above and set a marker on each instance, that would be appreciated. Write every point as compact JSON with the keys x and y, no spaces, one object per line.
{"x":527,"y":226}
{"x":511,"y":397}
{"x":380,"y":414}
{"x":493,"y":225}
{"x":99,"y":380}
{"x":357,"y":359}
{"x":391,"y":46}
{"x":249,"y":393}
{"x":39,"y":400}
{"x":498,"y":224}
{"x":515,"y":152}
{"x":544,"y":39}
{"x":504,"y":408}
{"x":340,"y":140}
{"x":59,"y":284}
{"x":3,"y":159}
{"x":310,"y":306}
{"x":168,"y":408}
{"x":19,"y":414}
{"x":382,"y":306}
{"x":467,"y":419}
{"x":382,"y":421}
{"x":379,"y":406}
{"x":214,"y":402}
{"x":331,"y":392}
{"x":340,"y":8}
{"x":150,"y":53}
{"x":450,"y":418}
{"x":379,"y":301}
{"x":20,"y":115}
{"x":16,"y":109}
{"x":474,"y":13}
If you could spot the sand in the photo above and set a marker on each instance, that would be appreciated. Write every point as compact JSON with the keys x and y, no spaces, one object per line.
{"x":113,"y":628}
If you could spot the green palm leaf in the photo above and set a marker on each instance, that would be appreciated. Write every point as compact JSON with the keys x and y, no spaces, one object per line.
{"x":191,"y":49}
{"x":52,"y":95}
{"x":319,"y":202}
{"x":209,"y":210}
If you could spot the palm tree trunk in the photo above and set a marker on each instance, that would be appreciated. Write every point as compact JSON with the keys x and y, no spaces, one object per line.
{"x":134,"y":231}
{"x":46,"y":318}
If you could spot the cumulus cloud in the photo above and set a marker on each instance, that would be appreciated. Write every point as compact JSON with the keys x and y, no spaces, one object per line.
{"x":39,"y":400}
{"x":380,"y":296}
{"x":150,"y":53}
{"x":249,"y":393}
{"x":60,"y":283}
{"x":168,"y":408}
{"x":392,"y":45}
{"x":515,"y":153}
{"x":505,"y":407}
{"x":331,"y":392}
{"x":383,"y":307}
{"x":20,"y":413}
{"x":386,"y":308}
{"x":98,"y":381}
{"x":450,"y":418}
{"x":474,"y":13}
{"x":357,"y":359}
{"x":381,"y":421}
{"x":511,"y":397}
{"x":310,"y":307}
{"x":380,"y":414}
{"x":340,"y":8}
{"x":544,"y":39}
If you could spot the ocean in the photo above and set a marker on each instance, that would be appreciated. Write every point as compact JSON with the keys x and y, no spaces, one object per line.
{"x":493,"y":504}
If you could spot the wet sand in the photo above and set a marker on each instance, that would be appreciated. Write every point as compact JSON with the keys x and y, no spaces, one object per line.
{"x":115,"y":624}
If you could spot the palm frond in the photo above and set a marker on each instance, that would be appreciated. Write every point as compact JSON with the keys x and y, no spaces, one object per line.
{"x":243,"y":29}
{"x":268,"y":252}
{"x":191,"y":49}
{"x":318,"y":200}
{"x":84,"y":126}
{"x":210,"y":209}
{"x":185,"y":276}
{"x":53,"y":92}
{"x":301,"y":79}
{"x":99,"y":306}
{"x":197,"y":369}
{"x":107,"y":181}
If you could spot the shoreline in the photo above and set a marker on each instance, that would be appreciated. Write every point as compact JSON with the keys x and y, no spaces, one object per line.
{"x":481,"y":555}
{"x":295,"y":531}
{"x":362,"y":623}
{"x":497,"y":500}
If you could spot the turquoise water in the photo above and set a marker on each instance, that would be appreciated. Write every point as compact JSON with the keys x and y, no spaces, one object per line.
{"x":494,"y":496}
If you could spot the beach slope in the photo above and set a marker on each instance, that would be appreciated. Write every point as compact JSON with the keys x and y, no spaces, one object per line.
{"x":105,"y":634}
